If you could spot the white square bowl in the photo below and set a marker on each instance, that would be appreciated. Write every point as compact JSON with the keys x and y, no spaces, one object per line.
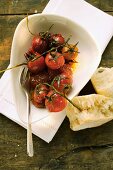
{"x":88,"y":59}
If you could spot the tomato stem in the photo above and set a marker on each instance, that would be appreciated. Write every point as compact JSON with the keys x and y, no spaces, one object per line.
{"x":1,"y":71}
{"x":63,"y":95}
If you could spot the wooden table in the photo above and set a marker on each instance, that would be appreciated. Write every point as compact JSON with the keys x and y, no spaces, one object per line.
{"x":90,"y":149}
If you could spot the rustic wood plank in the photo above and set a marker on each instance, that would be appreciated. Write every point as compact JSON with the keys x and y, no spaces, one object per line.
{"x":7,"y":28}
{"x":22,"y":6}
{"x":106,"y":5}
{"x":29,"y":6}
{"x":85,"y":159}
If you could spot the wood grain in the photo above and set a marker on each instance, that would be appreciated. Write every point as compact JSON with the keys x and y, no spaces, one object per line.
{"x":22,"y":6}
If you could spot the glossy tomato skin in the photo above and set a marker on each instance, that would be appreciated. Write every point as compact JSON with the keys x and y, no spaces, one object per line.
{"x":70,"y":52}
{"x":54,"y":60}
{"x":41,"y":77}
{"x":39,"y":44}
{"x":62,"y":83}
{"x":57,"y":40}
{"x":54,"y":102}
{"x":37,"y":65}
{"x":66,"y":68}
{"x":39,"y":94}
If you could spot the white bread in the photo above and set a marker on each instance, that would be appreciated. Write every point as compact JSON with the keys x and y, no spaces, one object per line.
{"x":102,"y":81}
{"x":95,"y":110}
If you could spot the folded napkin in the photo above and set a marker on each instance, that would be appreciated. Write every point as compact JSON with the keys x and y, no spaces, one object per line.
{"x":92,"y":20}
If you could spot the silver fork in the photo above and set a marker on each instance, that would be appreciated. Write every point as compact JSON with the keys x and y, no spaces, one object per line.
{"x":25,"y":83}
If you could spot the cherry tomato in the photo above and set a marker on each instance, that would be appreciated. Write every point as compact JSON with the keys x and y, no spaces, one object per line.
{"x":57,"y":40}
{"x":36,"y":65}
{"x":53,"y":73}
{"x":62,"y":83}
{"x":54,"y":60}
{"x":70,"y":52}
{"x":30,"y":54}
{"x":41,"y":77}
{"x":55,"y":102}
{"x":66,"y":68}
{"x":39,"y":94}
{"x":39,"y":44}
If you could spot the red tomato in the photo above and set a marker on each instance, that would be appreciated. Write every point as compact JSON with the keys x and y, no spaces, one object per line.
{"x":39,"y":44}
{"x":30,"y":54}
{"x":66,"y":68}
{"x":54,"y":102}
{"x":39,"y":94}
{"x":57,"y":40}
{"x":41,"y":77}
{"x":70,"y":52}
{"x":54,"y":60}
{"x":53,"y":73}
{"x":62,"y":83}
{"x":37,"y":65}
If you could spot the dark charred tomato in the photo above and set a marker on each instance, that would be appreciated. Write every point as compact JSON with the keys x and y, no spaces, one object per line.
{"x":70,"y":52}
{"x":54,"y":60}
{"x":37,"y":64}
{"x":53,"y":73}
{"x":39,"y":94}
{"x":41,"y":77}
{"x":62,"y":83}
{"x":39,"y":44}
{"x":57,"y":40}
{"x":55,"y":102}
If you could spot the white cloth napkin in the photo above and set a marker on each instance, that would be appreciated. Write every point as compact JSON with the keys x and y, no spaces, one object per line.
{"x":99,"y":24}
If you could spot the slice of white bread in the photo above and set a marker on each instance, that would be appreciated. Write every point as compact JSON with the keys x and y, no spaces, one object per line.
{"x":102,"y":81}
{"x":94,"y":110}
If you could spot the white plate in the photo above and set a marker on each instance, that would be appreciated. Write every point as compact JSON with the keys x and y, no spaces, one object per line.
{"x":88,"y":59}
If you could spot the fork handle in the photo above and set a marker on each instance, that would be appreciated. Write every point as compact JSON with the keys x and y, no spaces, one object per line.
{"x":30,"y":150}
{"x":29,"y":141}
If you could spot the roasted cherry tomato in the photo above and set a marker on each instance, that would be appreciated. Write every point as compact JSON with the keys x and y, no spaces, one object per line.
{"x":39,"y":94}
{"x":62,"y":83}
{"x":55,"y":102}
{"x":57,"y":40}
{"x":54,"y":60}
{"x":70,"y":52}
{"x":30,"y":54}
{"x":53,"y":73}
{"x":41,"y":77}
{"x":39,"y":44}
{"x":37,"y":64}
{"x":66,"y":68}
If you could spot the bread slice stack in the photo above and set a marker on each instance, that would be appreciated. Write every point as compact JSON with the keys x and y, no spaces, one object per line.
{"x":95,"y":109}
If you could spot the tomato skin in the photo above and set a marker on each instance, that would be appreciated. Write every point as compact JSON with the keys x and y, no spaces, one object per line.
{"x":66,"y":68}
{"x":57,"y":40}
{"x":53,"y":73}
{"x":39,"y":94}
{"x":39,"y":44}
{"x":41,"y":77}
{"x":54,"y":60}
{"x":55,"y":102}
{"x":70,"y":53}
{"x":62,"y":83}
{"x":37,"y":65}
